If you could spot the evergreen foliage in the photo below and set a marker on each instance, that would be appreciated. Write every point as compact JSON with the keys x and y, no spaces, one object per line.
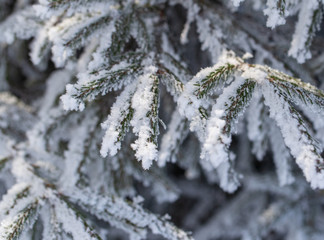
{"x":103,"y":110}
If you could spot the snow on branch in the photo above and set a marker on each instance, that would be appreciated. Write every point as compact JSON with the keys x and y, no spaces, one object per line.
{"x":23,"y":24}
{"x":145,"y":122}
{"x":178,"y":129}
{"x":257,"y":125}
{"x":127,"y":215}
{"x":296,"y":135}
{"x":11,"y":228}
{"x":48,"y":8}
{"x":100,"y":82}
{"x":22,"y":204}
{"x":119,"y":61}
{"x":73,"y":33}
{"x":309,"y":20}
{"x":279,"y":90}
{"x":276,"y":11}
{"x":230,"y":104}
{"x":118,"y":121}
{"x":71,"y":221}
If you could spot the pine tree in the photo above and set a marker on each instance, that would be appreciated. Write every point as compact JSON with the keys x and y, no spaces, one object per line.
{"x":114,"y":114}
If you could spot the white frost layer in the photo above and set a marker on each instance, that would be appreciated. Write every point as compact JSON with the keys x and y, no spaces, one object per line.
{"x":229,"y":180}
{"x":192,"y":11}
{"x":69,"y":101}
{"x":189,"y":104}
{"x":8,"y":201}
{"x":71,"y":223}
{"x":281,"y":157}
{"x":25,"y":193}
{"x":22,"y":24}
{"x":50,"y":225}
{"x":298,"y":47}
{"x":210,"y":36}
{"x":71,"y":7}
{"x":293,"y":133}
{"x":72,"y":102}
{"x":317,"y":120}
{"x":112,"y":125}
{"x":41,"y":45}
{"x":274,"y":16}
{"x":65,"y":31}
{"x":172,"y":138}
{"x":146,"y":150}
{"x":216,"y":145}
{"x":75,"y":153}
{"x":130,"y":217}
{"x":256,"y":126}
{"x":54,"y":86}
{"x":98,"y":57}
{"x":254,"y":73}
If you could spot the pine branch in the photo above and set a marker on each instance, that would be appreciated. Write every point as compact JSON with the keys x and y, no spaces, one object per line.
{"x":72,"y":221}
{"x":116,"y":211}
{"x":299,"y":92}
{"x":296,"y":135}
{"x":121,"y":35}
{"x":3,"y":162}
{"x":66,"y":3}
{"x":236,"y":96}
{"x":225,"y":112}
{"x":310,"y":17}
{"x":118,"y":122}
{"x":80,"y":37}
{"x":281,"y":6}
{"x":213,"y":79}
{"x":102,"y":83}
{"x":106,"y":82}
{"x":146,"y":120}
{"x":177,"y":131}
{"x":15,"y":26}
{"x":282,"y":157}
{"x":58,"y":6}
{"x":171,"y":81}
{"x":19,"y":208}
{"x":237,"y":104}
{"x":12,"y":230}
{"x":257,"y":126}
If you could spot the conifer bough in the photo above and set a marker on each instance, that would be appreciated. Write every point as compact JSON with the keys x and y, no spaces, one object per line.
{"x":95,"y":70}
